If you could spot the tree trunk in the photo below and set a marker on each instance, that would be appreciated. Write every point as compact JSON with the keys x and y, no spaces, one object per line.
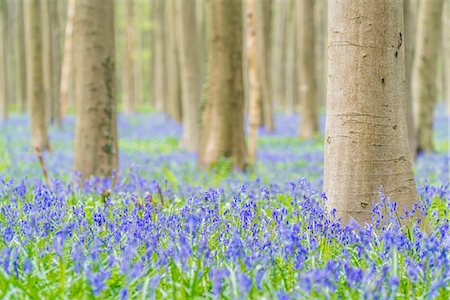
{"x":96,"y":151}
{"x":263,"y":17}
{"x":159,"y":60}
{"x":366,"y":137}
{"x":19,"y":41}
{"x":173,"y":94}
{"x":290,"y":60}
{"x":129,"y":96}
{"x":307,"y":69}
{"x":410,"y":15}
{"x":47,"y":50}
{"x":3,"y":84}
{"x":188,"y":42}
{"x":223,"y":129}
{"x":446,"y":54}
{"x":277,"y":58}
{"x":138,"y":72}
{"x":254,"y":82}
{"x":429,"y":28}
{"x":39,"y":135}
{"x":67,"y":59}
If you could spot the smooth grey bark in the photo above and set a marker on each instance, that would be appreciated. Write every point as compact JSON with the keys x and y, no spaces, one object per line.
{"x":366,"y":137}
{"x":223,"y":116}
{"x":96,"y":147}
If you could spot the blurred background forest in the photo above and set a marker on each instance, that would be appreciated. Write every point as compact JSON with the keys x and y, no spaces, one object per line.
{"x":147,"y":39}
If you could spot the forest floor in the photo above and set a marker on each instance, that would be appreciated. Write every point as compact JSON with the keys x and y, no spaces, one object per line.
{"x":169,"y":229}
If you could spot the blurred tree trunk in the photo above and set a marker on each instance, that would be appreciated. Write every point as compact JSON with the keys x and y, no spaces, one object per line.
{"x":366,"y":137}
{"x":429,"y":27}
{"x":96,"y":150}
{"x":290,"y":60}
{"x":20,"y":60}
{"x":223,"y":119}
{"x":3,"y":84}
{"x":129,"y":65}
{"x":410,"y":17}
{"x":446,"y":54}
{"x":173,"y":90}
{"x":36,"y":97}
{"x":67,"y":60}
{"x":307,"y":69}
{"x":58,"y":11}
{"x":254,"y":83}
{"x":263,"y":20}
{"x":320,"y":29}
{"x":48,"y":59}
{"x":138,"y":94}
{"x":277,"y":73}
{"x":159,"y":61}
{"x":189,"y":45}
{"x":10,"y":57}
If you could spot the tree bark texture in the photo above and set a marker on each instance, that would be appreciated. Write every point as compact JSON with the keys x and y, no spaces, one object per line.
{"x":429,"y":28}
{"x":223,"y":119}
{"x":366,"y":137}
{"x":309,"y":122}
{"x":189,"y":59}
{"x":96,"y":150}
{"x":39,"y":131}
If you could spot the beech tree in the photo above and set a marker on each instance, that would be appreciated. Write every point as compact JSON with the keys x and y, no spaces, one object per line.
{"x":429,"y":28}
{"x":254,"y":80}
{"x":223,"y":116}
{"x":36,"y":92}
{"x":189,"y":46}
{"x":309,"y":124}
{"x":366,"y":141}
{"x":96,"y":150}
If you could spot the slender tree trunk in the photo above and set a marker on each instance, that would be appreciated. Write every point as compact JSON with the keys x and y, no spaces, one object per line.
{"x":429,"y":27}
{"x":39,"y":135}
{"x":277,"y":73}
{"x":159,"y":66}
{"x":410,"y":14}
{"x":446,"y":54}
{"x":138,"y":72}
{"x":173,"y":94}
{"x":96,"y":151}
{"x":320,"y":19}
{"x":3,"y":84}
{"x":189,"y":59}
{"x":58,"y":11}
{"x":307,"y":69}
{"x":19,"y":41}
{"x":254,"y":82}
{"x":290,"y":60}
{"x":263,"y":17}
{"x":223,"y":130}
{"x":67,"y":59}
{"x":366,"y":137}
{"x":129,"y":96}
{"x":47,"y":51}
